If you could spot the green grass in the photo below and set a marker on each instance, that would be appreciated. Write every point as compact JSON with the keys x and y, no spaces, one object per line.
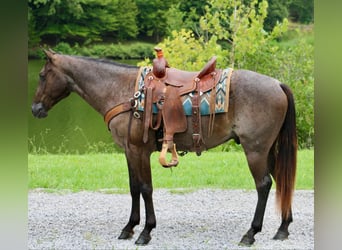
{"x":108,"y":172}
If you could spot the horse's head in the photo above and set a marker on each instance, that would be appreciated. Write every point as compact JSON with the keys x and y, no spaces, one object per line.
{"x":53,"y":86}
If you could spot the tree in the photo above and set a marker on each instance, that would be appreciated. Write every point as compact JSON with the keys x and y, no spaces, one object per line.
{"x":241,"y":27}
{"x":277,"y":11}
{"x":188,"y":52}
{"x":193,"y":11}
{"x":302,"y":11}
{"x":151,"y":19}
{"x":33,"y":37}
{"x":82,"y":21}
{"x":126,"y":13}
{"x":174,"y":19}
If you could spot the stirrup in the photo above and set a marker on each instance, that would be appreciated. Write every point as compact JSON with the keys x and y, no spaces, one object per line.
{"x":174,"y":156}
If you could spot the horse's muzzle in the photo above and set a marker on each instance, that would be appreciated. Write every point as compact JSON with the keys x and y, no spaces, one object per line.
{"x":38,"y":110}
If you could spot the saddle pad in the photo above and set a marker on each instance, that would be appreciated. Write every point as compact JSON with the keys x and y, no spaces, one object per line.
{"x":222,"y":94}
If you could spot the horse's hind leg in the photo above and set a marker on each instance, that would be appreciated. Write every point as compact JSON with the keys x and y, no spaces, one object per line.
{"x":257,"y":162}
{"x":283,"y":232}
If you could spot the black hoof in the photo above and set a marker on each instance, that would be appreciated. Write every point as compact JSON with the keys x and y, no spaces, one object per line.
{"x":143,"y":239}
{"x":281,"y":235}
{"x":247,"y":241}
{"x":126,"y":235}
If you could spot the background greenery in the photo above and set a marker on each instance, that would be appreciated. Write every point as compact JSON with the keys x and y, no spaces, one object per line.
{"x":275,"y":38}
{"x":87,"y":21}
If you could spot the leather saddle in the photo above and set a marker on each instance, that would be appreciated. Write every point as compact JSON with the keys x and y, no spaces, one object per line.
{"x":164,"y":87}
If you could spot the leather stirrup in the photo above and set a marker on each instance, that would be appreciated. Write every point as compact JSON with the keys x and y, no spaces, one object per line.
{"x":174,"y":156}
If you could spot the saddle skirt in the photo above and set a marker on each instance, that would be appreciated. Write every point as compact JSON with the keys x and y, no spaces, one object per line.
{"x":185,"y":82}
{"x":178,"y":94}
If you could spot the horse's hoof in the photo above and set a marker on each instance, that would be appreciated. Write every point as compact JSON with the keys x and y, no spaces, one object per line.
{"x":281,"y":235}
{"x":247,"y":241}
{"x":126,"y":235}
{"x":143,"y":239}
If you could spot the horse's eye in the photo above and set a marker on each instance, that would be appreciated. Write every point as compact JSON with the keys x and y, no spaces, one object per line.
{"x":42,"y":77}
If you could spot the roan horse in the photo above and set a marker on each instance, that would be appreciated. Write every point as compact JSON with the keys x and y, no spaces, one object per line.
{"x":261,"y":118}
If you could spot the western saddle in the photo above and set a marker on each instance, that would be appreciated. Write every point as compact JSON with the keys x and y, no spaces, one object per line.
{"x":164,"y":86}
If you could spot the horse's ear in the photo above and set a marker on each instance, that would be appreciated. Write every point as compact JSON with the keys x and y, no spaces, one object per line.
{"x":49,"y":54}
{"x":53,"y":52}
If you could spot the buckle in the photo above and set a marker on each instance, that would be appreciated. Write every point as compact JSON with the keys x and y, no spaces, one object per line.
{"x":136,"y":114}
{"x":137,"y":94}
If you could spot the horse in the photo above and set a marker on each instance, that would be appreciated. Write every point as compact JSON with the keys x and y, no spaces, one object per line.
{"x":261,"y":118}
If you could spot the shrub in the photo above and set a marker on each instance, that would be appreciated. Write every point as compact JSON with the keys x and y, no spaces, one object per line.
{"x":137,"y":50}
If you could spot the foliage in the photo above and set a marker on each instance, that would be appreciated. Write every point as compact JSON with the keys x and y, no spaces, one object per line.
{"x":126,"y":14}
{"x":193,"y":11}
{"x":82,"y":21}
{"x":277,"y":12}
{"x":241,"y":26}
{"x":89,"y":21}
{"x":33,"y":37}
{"x":302,"y":11}
{"x":137,"y":50}
{"x":174,"y":18}
{"x":152,"y":20}
{"x":185,"y":51}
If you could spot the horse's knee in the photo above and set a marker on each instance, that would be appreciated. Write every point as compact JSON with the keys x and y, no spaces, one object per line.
{"x":146,"y":191}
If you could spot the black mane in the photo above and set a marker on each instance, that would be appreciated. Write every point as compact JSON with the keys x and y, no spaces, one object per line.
{"x":103,"y":60}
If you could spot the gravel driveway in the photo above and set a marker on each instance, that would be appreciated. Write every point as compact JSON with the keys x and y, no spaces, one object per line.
{"x":203,"y":219}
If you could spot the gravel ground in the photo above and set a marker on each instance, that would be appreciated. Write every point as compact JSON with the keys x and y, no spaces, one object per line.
{"x":203,"y":219}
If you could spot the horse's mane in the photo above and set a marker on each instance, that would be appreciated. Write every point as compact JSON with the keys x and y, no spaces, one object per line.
{"x":107,"y":61}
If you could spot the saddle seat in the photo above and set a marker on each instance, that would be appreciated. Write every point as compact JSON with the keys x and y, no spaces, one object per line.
{"x":166,"y":92}
{"x":185,"y":81}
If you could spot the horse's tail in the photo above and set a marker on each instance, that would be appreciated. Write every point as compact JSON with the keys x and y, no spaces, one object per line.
{"x":286,"y":157}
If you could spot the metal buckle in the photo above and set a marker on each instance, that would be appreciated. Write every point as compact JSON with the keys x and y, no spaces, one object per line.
{"x":136,"y":114}
{"x":135,"y":104}
{"x":137,"y":94}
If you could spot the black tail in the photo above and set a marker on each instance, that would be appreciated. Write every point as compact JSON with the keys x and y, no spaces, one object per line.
{"x":286,"y":157}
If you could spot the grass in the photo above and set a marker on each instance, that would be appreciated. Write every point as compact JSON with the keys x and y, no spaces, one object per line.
{"x":108,"y":172}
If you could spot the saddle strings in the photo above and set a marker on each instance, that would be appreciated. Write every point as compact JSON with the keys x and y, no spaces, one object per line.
{"x":212,"y":107}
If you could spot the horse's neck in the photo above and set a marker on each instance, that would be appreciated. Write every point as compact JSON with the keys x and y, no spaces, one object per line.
{"x":102,"y":85}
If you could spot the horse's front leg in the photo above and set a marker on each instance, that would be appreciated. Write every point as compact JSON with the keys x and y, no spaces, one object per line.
{"x":134,"y":184}
{"x":146,"y":189}
{"x":138,"y":160}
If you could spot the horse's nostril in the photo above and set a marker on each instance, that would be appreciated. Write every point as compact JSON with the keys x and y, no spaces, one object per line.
{"x":38,"y":110}
{"x":36,"y":107}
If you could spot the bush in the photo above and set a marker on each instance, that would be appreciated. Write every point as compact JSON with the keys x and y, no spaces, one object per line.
{"x":137,"y":50}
